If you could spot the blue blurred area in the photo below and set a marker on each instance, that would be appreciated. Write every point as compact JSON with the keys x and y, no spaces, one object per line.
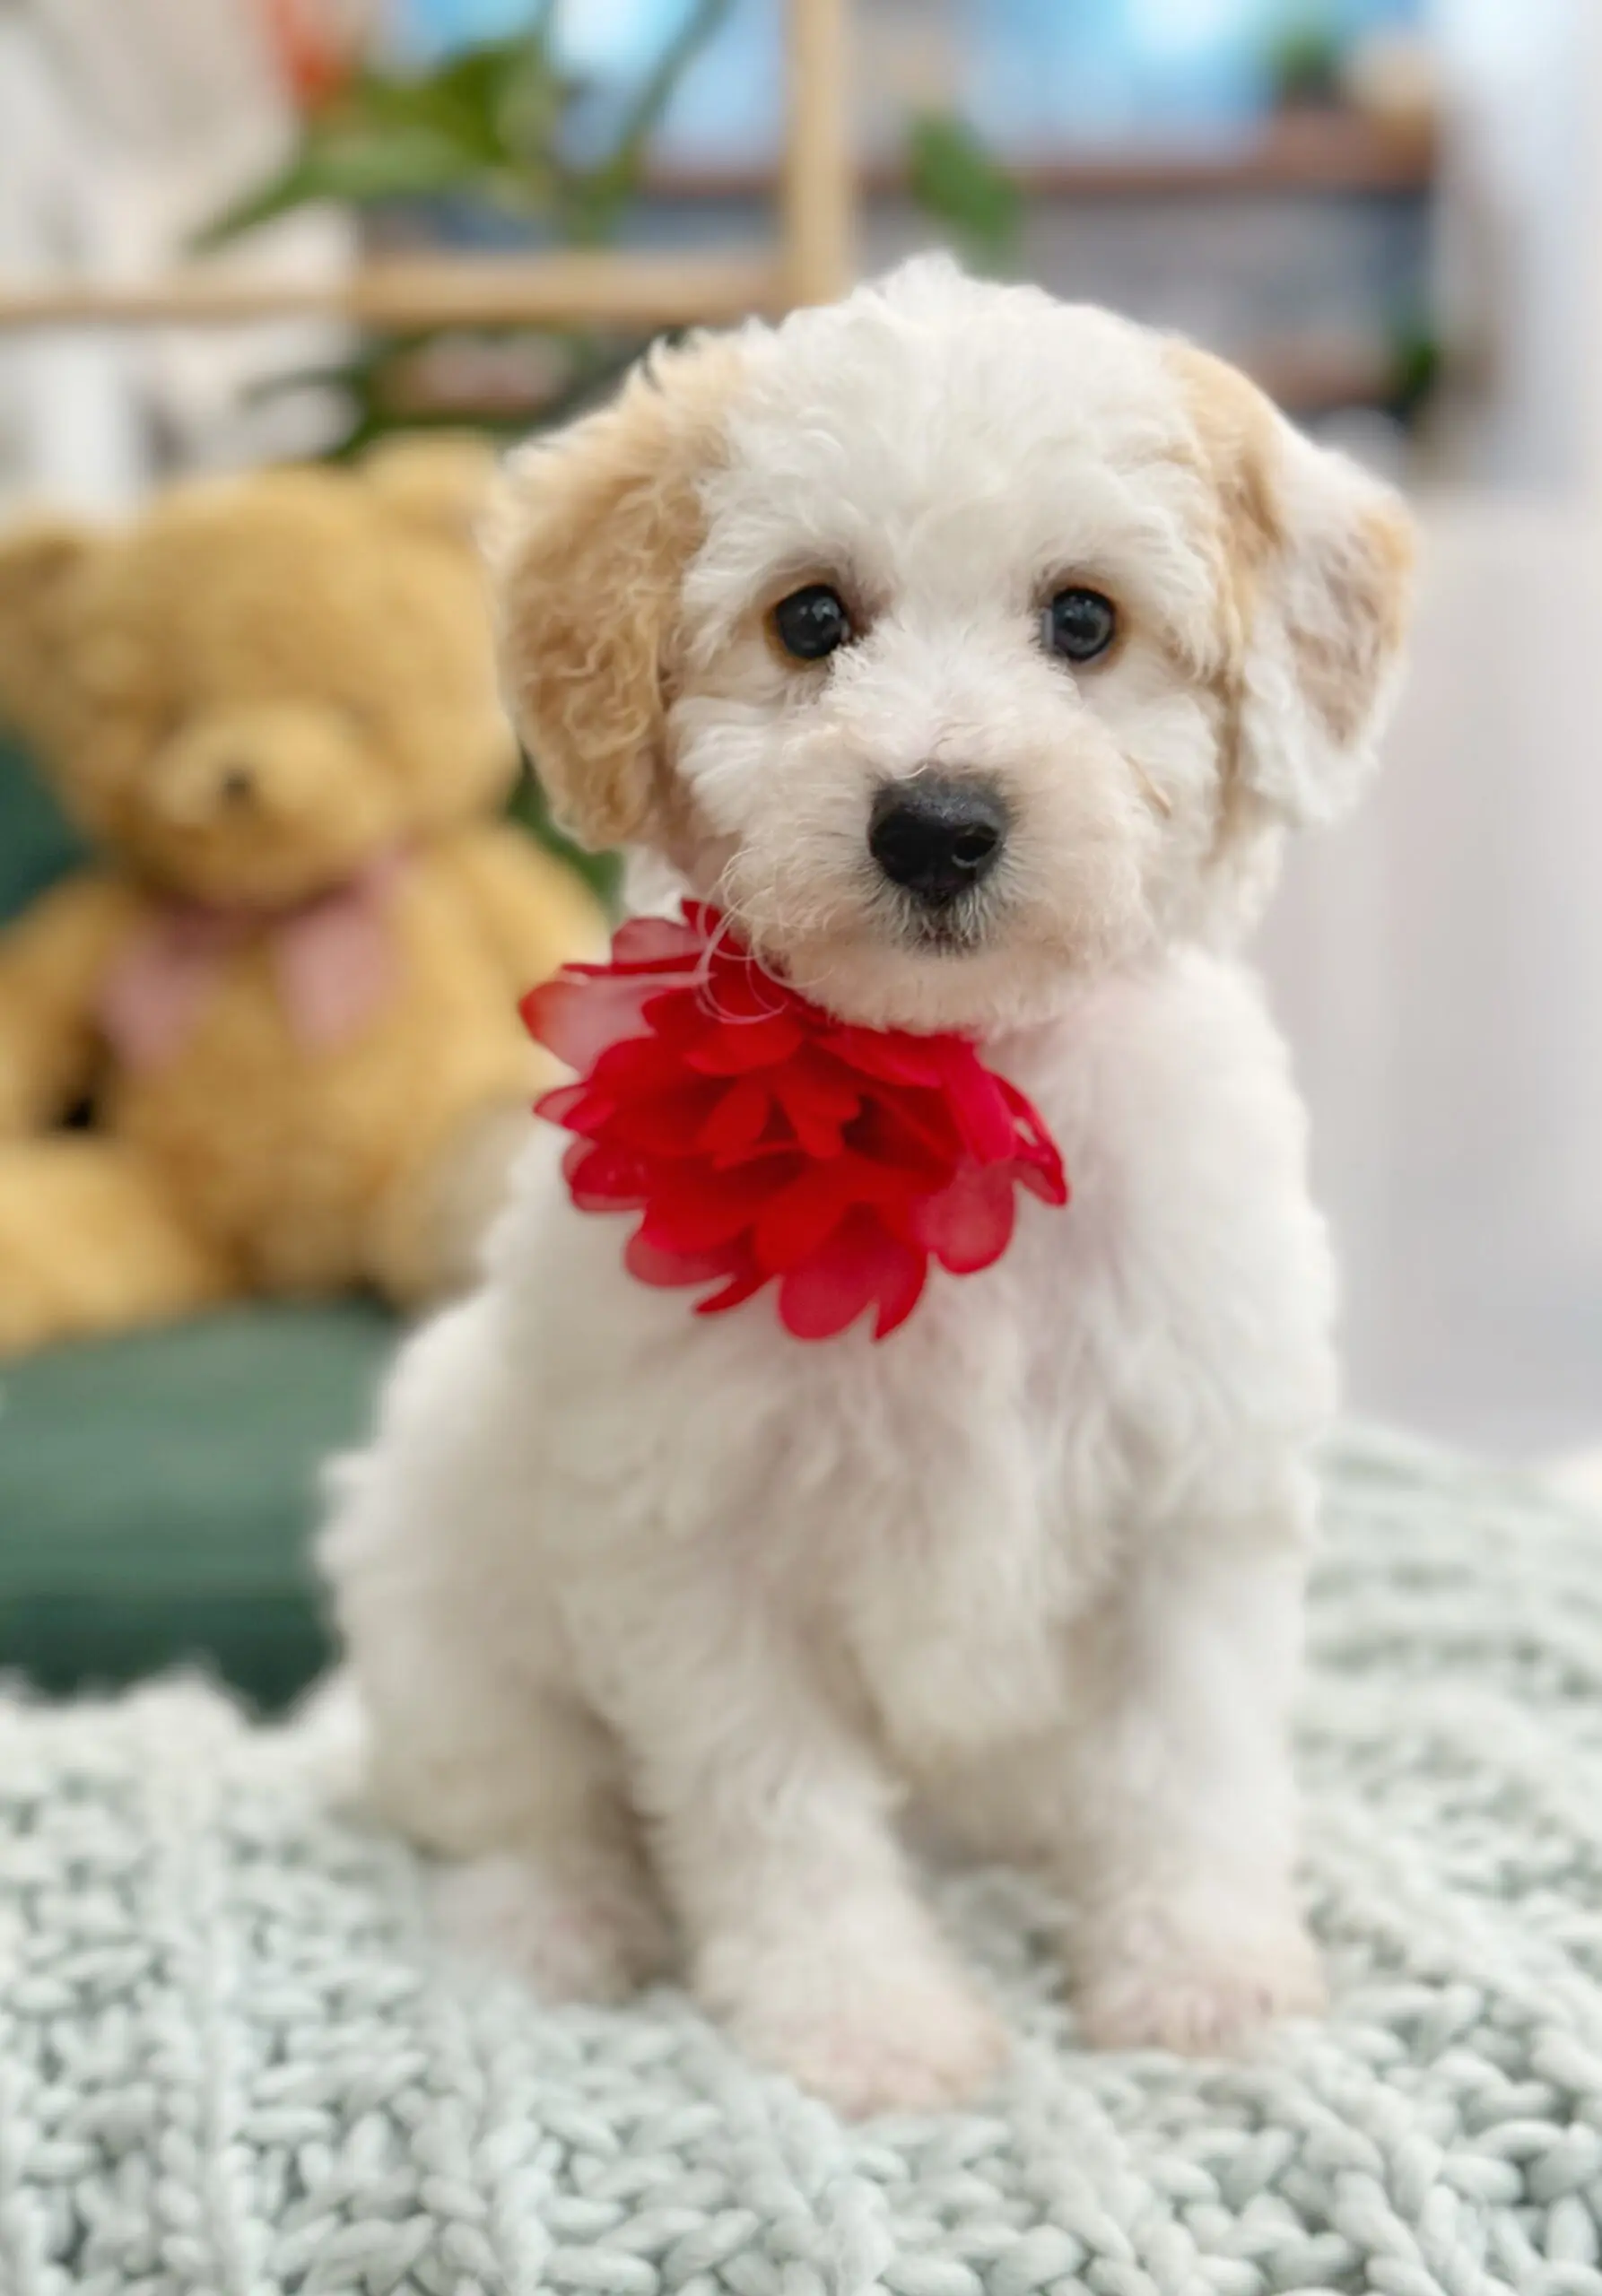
{"x":1100,"y":70}
{"x":1034,"y":74}
{"x":427,"y":30}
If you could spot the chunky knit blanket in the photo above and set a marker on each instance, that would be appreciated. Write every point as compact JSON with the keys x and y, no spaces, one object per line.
{"x":232,"y":2061}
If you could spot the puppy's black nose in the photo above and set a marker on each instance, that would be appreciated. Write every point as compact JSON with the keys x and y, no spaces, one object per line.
{"x":936,"y":836}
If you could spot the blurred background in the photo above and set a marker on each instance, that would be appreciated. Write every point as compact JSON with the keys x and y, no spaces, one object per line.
{"x":1390,"y":211}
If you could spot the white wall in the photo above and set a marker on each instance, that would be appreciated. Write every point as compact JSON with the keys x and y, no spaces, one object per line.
{"x":1438,"y":961}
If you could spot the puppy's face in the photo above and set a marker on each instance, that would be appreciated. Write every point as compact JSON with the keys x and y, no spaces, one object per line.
{"x":958,"y":642}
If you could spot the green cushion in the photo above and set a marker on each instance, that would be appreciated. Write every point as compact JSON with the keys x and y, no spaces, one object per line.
{"x":157,"y":1494}
{"x":36,"y":843}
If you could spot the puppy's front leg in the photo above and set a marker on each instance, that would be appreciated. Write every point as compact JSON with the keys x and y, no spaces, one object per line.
{"x":1182,"y":1835}
{"x":774,"y":1837}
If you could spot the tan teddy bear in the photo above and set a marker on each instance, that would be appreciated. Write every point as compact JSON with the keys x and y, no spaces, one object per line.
{"x":290,"y":993}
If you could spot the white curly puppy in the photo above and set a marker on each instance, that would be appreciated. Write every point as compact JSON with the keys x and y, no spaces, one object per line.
{"x":660,"y":1623}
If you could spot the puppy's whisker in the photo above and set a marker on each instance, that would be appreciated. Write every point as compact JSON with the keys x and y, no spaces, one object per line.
{"x":1157,"y":799}
{"x":721,"y":936}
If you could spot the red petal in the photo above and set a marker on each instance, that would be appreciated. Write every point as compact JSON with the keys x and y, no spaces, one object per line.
{"x":741,"y":1046}
{"x":889,"y":1134}
{"x":563,"y":1102}
{"x":892,"y":1054}
{"x":860,"y":1265}
{"x":739,"y":1288}
{"x":899,"y":1293}
{"x":817,"y":1103}
{"x":1048,"y":1181}
{"x":638,"y":1067}
{"x":666,"y":1271}
{"x":675,"y":1014}
{"x":693,"y":1211}
{"x":1036,"y":1148}
{"x":739,"y":1119}
{"x":603,"y":1178}
{"x":795,"y":1222}
{"x":656,"y":941}
{"x":977,"y":1102}
{"x":667,"y":1125}
{"x":969,"y":1224}
{"x":577,"y":1020}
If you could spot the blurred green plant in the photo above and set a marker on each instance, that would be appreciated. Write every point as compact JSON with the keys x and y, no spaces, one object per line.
{"x":531,"y":808}
{"x":493,"y":125}
{"x":1306,"y":61}
{"x":493,"y":129}
{"x":498,"y":128}
{"x":1417,"y":361}
{"x":954,"y":179}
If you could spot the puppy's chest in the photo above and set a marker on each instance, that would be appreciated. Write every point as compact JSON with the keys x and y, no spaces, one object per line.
{"x":956,"y":1573}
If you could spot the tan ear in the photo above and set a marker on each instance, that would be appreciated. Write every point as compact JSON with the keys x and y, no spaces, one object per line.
{"x":1318,"y":558}
{"x":40,"y":566}
{"x":587,"y":544}
{"x":441,"y":481}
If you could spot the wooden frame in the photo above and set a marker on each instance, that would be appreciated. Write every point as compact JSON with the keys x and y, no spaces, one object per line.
{"x":809,"y":261}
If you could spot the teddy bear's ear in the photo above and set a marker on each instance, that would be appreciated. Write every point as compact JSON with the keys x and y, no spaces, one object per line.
{"x":1317,"y":563}
{"x":441,"y":483}
{"x":40,"y":566}
{"x":587,"y":541}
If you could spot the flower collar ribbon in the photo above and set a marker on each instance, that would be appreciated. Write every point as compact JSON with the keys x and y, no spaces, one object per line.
{"x":766,"y":1142}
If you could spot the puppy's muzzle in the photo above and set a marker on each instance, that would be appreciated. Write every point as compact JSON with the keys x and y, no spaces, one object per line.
{"x":937,"y":835}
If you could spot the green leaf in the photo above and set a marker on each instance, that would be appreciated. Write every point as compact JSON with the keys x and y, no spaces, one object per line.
{"x":356,"y":164}
{"x":954,"y":179}
{"x":605,"y":190}
{"x":601,"y":872}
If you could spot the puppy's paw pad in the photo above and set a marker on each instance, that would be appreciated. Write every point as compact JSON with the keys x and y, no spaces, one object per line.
{"x":1201,"y":1999}
{"x":591,"y":1934}
{"x":882,"y":2048}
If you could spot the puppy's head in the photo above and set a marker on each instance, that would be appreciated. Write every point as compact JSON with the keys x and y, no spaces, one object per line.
{"x":957,"y":641}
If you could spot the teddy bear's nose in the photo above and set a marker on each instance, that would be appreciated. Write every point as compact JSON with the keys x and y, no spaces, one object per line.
{"x":237,"y":785}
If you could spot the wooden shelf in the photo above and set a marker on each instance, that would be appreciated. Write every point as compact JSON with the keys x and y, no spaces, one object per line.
{"x":628,"y":292}
{"x":807,"y":259}
{"x":1337,"y":152}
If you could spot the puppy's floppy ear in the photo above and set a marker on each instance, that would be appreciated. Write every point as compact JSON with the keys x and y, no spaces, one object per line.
{"x":1317,"y":560}
{"x":587,"y":544}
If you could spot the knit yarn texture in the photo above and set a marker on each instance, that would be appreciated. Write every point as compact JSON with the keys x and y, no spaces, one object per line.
{"x":232,"y":2060}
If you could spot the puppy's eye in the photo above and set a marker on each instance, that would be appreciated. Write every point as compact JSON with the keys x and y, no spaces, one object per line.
{"x":1079,"y":625}
{"x":812,"y":622}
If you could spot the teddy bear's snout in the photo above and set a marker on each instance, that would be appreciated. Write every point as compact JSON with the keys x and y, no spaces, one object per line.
{"x":236,"y":788}
{"x":222,"y":773}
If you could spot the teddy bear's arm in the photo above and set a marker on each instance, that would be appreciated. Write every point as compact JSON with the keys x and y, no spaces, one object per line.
{"x":533,"y":911}
{"x":52,"y":962}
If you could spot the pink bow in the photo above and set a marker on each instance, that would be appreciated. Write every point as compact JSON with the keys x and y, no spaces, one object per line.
{"x":334,"y":956}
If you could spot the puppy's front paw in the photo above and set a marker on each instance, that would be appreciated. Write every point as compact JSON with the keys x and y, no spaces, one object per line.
{"x":589,"y":1932}
{"x":1200,"y":1991}
{"x":871,"y":2038}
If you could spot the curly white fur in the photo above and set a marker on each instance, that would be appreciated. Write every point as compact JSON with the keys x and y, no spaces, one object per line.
{"x":662,"y":1624}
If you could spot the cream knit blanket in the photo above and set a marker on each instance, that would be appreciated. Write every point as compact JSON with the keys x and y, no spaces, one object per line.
{"x":232,"y":2062}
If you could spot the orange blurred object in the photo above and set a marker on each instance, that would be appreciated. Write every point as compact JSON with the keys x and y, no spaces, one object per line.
{"x":316,"y":47}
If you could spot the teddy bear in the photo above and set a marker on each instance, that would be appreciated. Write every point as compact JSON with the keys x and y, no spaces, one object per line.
{"x":287,"y":993}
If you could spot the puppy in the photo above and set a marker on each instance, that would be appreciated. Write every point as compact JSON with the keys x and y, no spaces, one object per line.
{"x":660,"y":1621}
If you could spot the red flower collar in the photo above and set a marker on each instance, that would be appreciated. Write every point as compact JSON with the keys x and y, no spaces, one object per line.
{"x":766,"y":1142}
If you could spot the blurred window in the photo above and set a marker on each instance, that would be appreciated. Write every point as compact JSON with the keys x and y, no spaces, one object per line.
{"x":1035,"y":75}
